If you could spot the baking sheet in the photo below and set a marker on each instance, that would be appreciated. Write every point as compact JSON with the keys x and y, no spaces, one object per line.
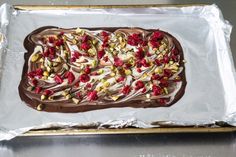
{"x":201,"y":30}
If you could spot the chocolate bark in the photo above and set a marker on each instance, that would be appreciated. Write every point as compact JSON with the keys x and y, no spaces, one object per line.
{"x":59,"y":102}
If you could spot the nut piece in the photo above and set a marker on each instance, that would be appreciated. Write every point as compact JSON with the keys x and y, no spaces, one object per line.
{"x":115,"y":97}
{"x":43,"y":97}
{"x":68,"y":96}
{"x":35,"y":57}
{"x":40,"y":107}
{"x":45,"y":73}
{"x":76,"y":101}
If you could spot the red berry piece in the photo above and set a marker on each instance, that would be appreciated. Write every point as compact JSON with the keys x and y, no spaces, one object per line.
{"x":101,"y":53}
{"x":58,"y":79}
{"x":92,"y":95}
{"x":38,"y":90}
{"x":84,"y":78}
{"x":126,"y":90}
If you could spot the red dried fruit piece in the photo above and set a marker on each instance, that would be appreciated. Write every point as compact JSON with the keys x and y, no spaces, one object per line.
{"x":58,"y":79}
{"x":138,"y":64}
{"x":144,"y":90}
{"x":104,"y":34}
{"x":51,"y":50}
{"x":70,"y":77}
{"x":134,"y":39}
{"x":61,"y":33}
{"x":101,"y":53}
{"x":31,"y":74}
{"x":175,"y":58}
{"x":87,"y":70}
{"x":105,"y":44}
{"x":157,"y":35}
{"x":88,"y":85}
{"x":139,"y":85}
{"x":167,"y":73}
{"x":39,"y":71}
{"x":175,"y":51}
{"x":158,"y":62}
{"x":48,"y":92}
{"x":73,"y":59}
{"x":120,"y":79}
{"x":149,"y":54}
{"x":155,"y":44}
{"x":34,"y":82}
{"x":105,"y":58}
{"x":92,"y":95}
{"x":118,"y":62}
{"x":145,"y":63}
{"x":77,"y":84}
{"x":139,"y":70}
{"x":85,"y":38}
{"x":156,"y":77}
{"x":156,"y":90}
{"x":164,"y":82}
{"x":84,"y":78}
{"x":76,"y":54}
{"x":59,"y":42}
{"x":127,"y":65}
{"x":46,"y":53}
{"x":79,"y":95}
{"x":166,"y":59}
{"x":85,"y":46}
{"x":38,"y":90}
{"x":51,"y":39}
{"x":140,"y":54}
{"x":126,"y":90}
{"x":144,"y":43}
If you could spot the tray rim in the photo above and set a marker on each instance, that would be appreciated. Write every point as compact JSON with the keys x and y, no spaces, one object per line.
{"x":50,"y":132}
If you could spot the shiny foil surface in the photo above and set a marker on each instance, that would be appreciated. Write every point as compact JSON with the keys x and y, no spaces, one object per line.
{"x":201,"y":30}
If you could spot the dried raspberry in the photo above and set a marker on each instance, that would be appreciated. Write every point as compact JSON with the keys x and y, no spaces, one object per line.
{"x":126,"y":90}
{"x":73,"y":59}
{"x":134,"y":39}
{"x":46,"y":53}
{"x":92,"y":95}
{"x":77,"y":84}
{"x":120,"y":79}
{"x":167,"y":73}
{"x":76,"y":54}
{"x":118,"y":62}
{"x":105,"y":58}
{"x":87,"y":70}
{"x":140,"y":54}
{"x":88,"y":85}
{"x":175,"y":51}
{"x":70,"y":77}
{"x":79,"y":95}
{"x":101,"y":53}
{"x":166,"y":59}
{"x":59,"y":42}
{"x":84,"y":78}
{"x":156,"y":77}
{"x":156,"y":90}
{"x":85,"y":46}
{"x":38,"y":90}
{"x":105,"y":44}
{"x":139,"y":70}
{"x":145,"y":63}
{"x":139,"y":85}
{"x":34,"y":82}
{"x":85,"y":38}
{"x":175,"y":58}
{"x":58,"y":79}
{"x":164,"y":82}
{"x":127,"y":65}
{"x":51,"y":50}
{"x":144,"y":90}
{"x":51,"y":39}
{"x":48,"y":92}
{"x":31,"y":74}
{"x":158,"y":62}
{"x":157,"y":35}
{"x":155,"y":44}
{"x":104,"y":34}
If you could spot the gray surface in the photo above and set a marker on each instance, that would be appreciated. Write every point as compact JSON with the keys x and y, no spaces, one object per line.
{"x":159,"y":145}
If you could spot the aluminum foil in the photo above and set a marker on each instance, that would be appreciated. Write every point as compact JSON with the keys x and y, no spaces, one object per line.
{"x":201,"y":30}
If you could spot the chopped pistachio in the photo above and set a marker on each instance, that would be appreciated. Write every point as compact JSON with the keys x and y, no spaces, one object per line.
{"x":40,"y":107}
{"x":166,"y":90}
{"x":106,"y":84}
{"x":98,"y":88}
{"x":48,"y":69}
{"x":92,"y":51}
{"x":171,"y":62}
{"x":35,"y":57}
{"x":100,"y":71}
{"x":45,"y":73}
{"x":30,"y":88}
{"x":112,"y":45}
{"x":115,"y":97}
{"x":144,"y":75}
{"x":64,"y":93}
{"x":76,"y":101}
{"x":65,"y":66}
{"x":74,"y":41}
{"x":94,"y":63}
{"x":50,"y":97}
{"x":148,"y":96}
{"x":43,"y":97}
{"x":41,"y":60}
{"x":112,"y":74}
{"x":94,"y":42}
{"x":158,"y":71}
{"x":103,"y":80}
{"x":58,"y":59}
{"x":68,"y":96}
{"x":128,"y":72}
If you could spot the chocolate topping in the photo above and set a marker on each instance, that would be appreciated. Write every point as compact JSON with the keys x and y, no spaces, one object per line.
{"x":83,"y":69}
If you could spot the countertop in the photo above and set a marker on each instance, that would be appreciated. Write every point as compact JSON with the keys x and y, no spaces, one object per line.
{"x":152,"y":145}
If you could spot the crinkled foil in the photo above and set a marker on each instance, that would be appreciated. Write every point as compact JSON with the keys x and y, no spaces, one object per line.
{"x":201,"y":30}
